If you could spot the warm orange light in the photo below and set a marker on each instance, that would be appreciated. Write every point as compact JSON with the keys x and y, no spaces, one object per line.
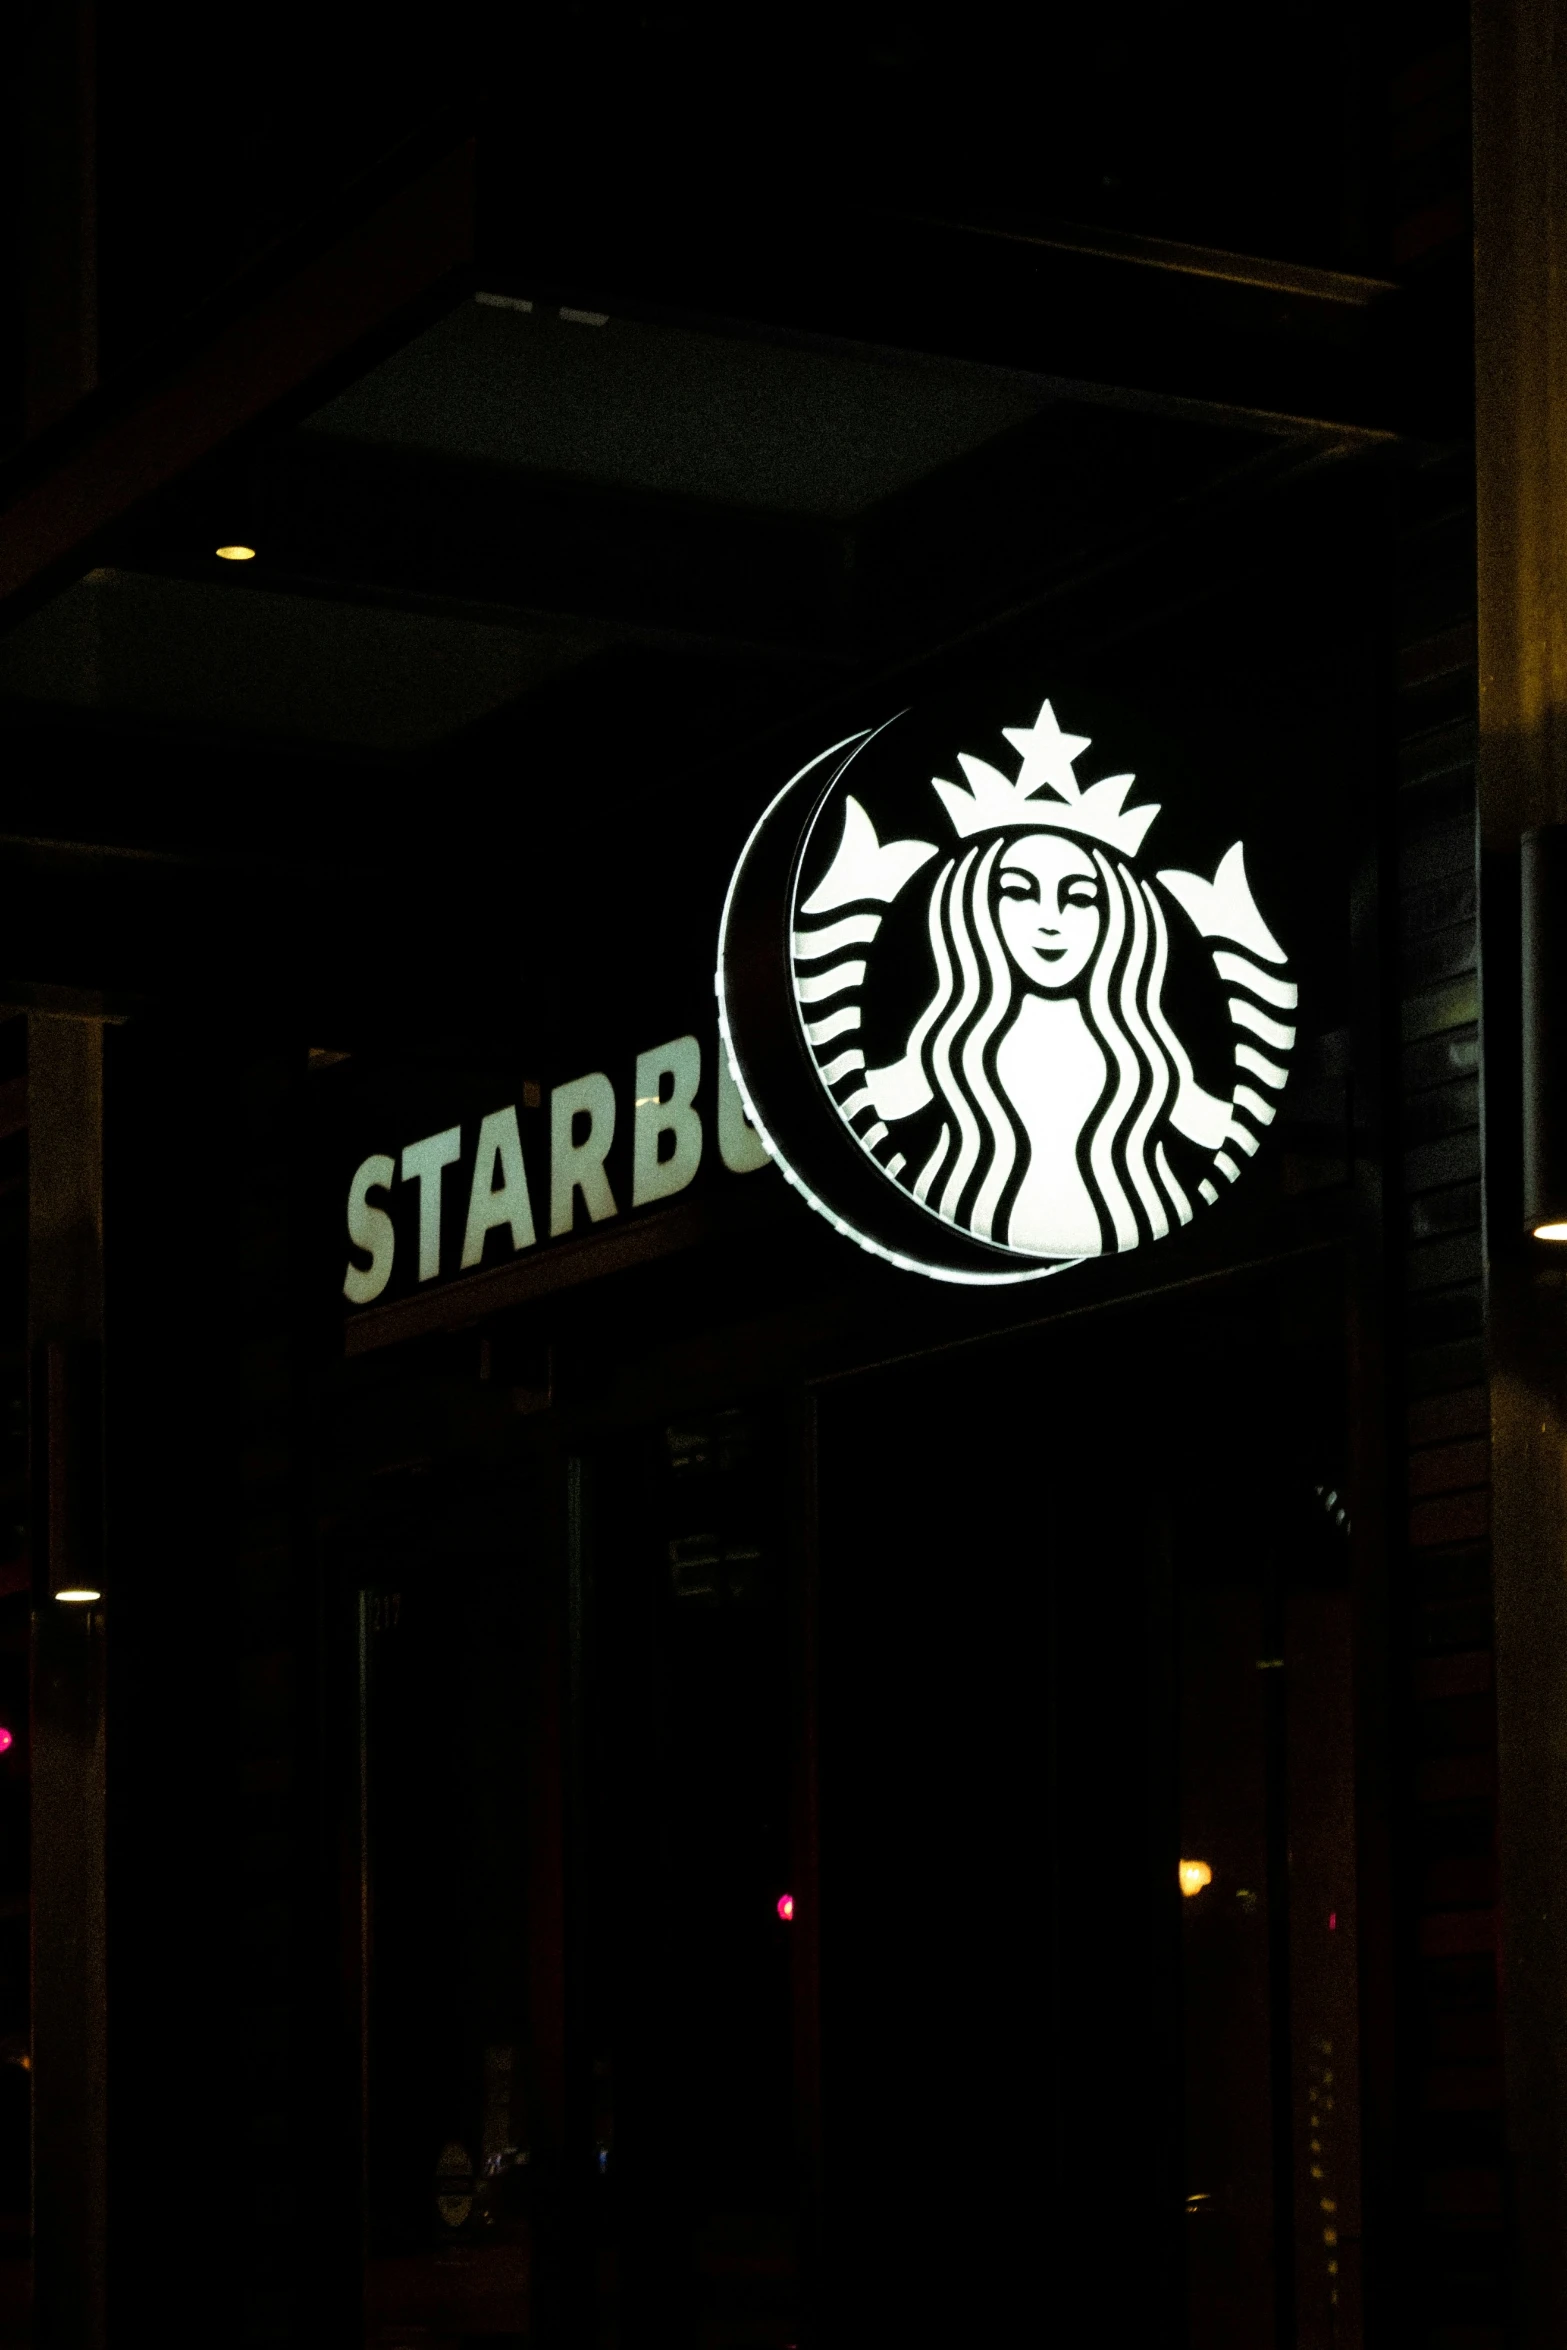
{"x":1550,"y":1232}
{"x":79,"y":1598}
{"x":1194,"y":1874}
{"x":235,"y":554}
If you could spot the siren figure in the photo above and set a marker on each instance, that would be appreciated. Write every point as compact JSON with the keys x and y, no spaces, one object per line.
{"x":1039,"y":1096}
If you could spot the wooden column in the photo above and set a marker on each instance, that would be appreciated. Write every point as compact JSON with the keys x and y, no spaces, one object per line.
{"x":1520,"y":135}
{"x":69,"y":2003}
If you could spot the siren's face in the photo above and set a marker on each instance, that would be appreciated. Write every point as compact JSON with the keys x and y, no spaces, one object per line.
{"x":1051,"y":906}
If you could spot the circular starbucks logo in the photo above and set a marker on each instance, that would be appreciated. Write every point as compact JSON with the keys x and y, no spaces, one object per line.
{"x":979,"y":1021}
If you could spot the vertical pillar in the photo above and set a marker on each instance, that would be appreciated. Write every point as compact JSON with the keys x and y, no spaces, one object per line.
{"x":233,"y":2155}
{"x":1520,"y":151}
{"x":69,"y":2016}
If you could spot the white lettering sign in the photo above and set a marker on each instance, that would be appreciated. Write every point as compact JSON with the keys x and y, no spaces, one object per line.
{"x":666,"y":1154}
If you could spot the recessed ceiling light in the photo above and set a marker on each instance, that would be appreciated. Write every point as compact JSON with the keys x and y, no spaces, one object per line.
{"x":79,"y":1598}
{"x":235,"y":554}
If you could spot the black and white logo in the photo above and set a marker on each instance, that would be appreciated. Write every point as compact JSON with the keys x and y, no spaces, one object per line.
{"x":979,"y":1023}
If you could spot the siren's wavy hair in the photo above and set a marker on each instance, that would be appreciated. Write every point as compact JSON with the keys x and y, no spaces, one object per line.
{"x":973,"y":1175}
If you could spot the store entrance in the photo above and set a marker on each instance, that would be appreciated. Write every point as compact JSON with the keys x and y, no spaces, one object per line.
{"x":870,"y":1858}
{"x":1088,"y":1852}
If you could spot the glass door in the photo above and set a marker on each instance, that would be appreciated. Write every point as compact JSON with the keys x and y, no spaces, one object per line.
{"x":697,"y":1916}
{"x":1088,"y":1840}
{"x":465,"y":2166}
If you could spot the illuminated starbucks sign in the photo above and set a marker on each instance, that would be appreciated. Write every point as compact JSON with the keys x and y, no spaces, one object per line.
{"x":982,"y":1023}
{"x":474,"y":1192}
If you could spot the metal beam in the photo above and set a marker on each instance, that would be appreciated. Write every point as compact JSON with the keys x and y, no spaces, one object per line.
{"x":1171,"y":329}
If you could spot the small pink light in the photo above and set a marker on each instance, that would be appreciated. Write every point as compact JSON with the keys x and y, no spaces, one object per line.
{"x":786,"y":1906}
{"x":1332,"y":1921}
{"x":6,"y":1740}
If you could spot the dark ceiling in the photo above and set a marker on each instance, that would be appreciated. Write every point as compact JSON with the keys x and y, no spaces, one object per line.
{"x":676,"y":412}
{"x":520,"y":495}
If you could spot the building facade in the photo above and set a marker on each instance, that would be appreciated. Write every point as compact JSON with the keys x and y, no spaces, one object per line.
{"x":785,"y":1522}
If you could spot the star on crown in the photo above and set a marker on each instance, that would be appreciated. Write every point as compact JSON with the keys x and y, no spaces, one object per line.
{"x":1047,"y":754}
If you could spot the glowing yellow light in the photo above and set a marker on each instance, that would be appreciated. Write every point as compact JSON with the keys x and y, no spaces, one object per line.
{"x":235,"y":554}
{"x":1551,"y":1231}
{"x":80,"y":1598}
{"x":1194,"y":1874}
